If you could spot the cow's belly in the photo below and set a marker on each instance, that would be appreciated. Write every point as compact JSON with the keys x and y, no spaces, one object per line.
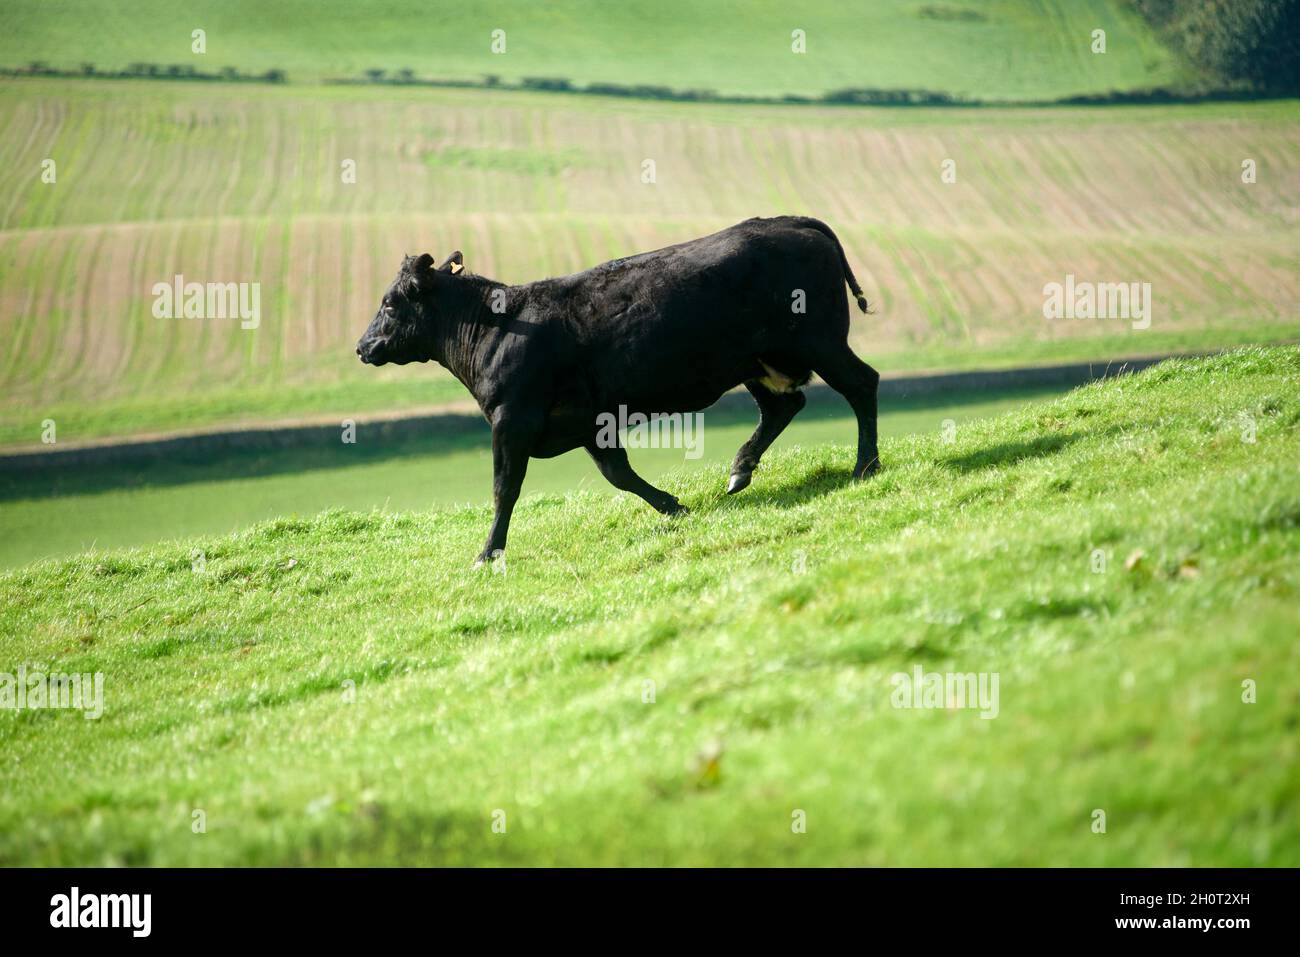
{"x":574,"y":418}
{"x":566,"y":429}
{"x":683,"y":392}
{"x":684,"y":397}
{"x":684,"y":380}
{"x":570,"y":421}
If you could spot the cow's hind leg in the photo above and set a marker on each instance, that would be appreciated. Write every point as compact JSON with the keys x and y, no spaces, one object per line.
{"x":856,"y":381}
{"x":613,"y":464}
{"x":775,"y":410}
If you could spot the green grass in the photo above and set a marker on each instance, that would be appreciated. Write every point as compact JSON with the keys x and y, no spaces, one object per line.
{"x":770,"y":623}
{"x":53,"y":514}
{"x":1003,"y":49}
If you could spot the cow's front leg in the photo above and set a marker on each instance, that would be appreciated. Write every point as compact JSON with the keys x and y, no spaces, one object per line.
{"x":613,"y":464}
{"x":513,"y":437}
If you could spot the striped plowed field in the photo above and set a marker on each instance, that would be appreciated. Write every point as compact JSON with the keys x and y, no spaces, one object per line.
{"x":244,"y":185}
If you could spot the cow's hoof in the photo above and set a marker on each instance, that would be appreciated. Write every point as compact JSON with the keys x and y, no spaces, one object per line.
{"x":675,"y":508}
{"x":738,"y":481}
{"x":868,"y":470}
{"x":487,"y":558}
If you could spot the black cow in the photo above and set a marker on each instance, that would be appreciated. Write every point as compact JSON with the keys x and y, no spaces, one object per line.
{"x":658,"y":333}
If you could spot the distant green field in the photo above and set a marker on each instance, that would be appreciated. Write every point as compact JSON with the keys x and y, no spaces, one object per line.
{"x":994,"y":49}
{"x":46,"y":514}
{"x":719,"y":688}
{"x":229,"y":182}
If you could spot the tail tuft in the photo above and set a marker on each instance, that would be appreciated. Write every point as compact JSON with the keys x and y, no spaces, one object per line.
{"x":864,"y":305}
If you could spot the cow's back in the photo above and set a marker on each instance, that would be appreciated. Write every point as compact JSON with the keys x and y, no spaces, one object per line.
{"x":677,"y":327}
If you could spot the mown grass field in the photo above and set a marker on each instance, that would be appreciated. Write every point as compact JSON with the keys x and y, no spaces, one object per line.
{"x":1005,"y":49}
{"x":222,"y":182}
{"x":770,"y":625}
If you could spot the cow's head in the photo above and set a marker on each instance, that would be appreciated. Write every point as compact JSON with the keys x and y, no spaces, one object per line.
{"x":405,"y":327}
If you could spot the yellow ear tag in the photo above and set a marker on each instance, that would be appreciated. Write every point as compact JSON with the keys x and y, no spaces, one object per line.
{"x":456,"y":268}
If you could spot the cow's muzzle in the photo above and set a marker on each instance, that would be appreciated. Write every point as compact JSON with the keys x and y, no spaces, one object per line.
{"x":366,"y":353}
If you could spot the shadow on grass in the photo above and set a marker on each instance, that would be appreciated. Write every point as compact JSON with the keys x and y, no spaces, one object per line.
{"x":825,"y":480}
{"x":821,"y":481}
{"x":183,"y":469}
{"x":1009,"y":453}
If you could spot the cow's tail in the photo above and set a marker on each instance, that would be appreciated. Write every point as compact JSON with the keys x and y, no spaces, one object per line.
{"x":829,"y":233}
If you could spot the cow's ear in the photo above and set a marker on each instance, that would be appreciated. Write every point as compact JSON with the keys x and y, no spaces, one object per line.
{"x":453,"y":264}
{"x":422,"y":263}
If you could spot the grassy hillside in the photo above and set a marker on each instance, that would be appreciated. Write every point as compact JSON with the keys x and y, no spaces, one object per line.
{"x":1005,"y":49}
{"x":770,"y":625}
{"x":243,"y":183}
{"x":61,"y":512}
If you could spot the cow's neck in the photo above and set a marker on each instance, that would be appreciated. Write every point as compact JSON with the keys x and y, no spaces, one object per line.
{"x":465,"y":343}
